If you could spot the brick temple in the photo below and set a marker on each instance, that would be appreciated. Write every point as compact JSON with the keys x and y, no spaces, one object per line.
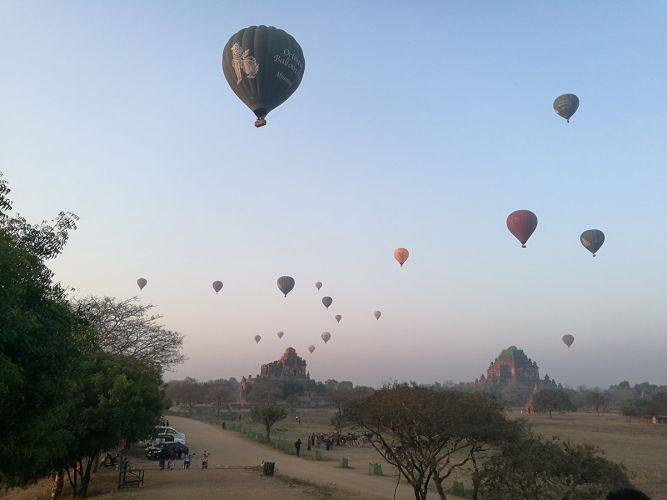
{"x":513,"y":367}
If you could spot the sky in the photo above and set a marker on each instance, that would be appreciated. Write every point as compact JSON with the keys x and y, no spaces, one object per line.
{"x":417,"y":124}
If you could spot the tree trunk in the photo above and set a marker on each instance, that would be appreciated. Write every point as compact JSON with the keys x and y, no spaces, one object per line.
{"x":419,"y":493}
{"x":268,"y":433}
{"x":476,"y":479}
{"x":85,"y":478}
{"x":58,"y":480}
{"x":439,"y":489}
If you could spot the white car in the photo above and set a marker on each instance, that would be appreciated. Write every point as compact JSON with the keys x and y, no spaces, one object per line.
{"x":163,"y":430}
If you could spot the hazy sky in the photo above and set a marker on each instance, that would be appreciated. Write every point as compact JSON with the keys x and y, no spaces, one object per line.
{"x":417,"y":124}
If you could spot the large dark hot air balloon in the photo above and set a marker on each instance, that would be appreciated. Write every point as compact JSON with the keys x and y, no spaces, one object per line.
{"x":217,"y":286}
{"x":592,"y":240}
{"x":142,"y":282}
{"x":401,"y":255}
{"x":568,"y":340}
{"x":327,"y":301}
{"x":285,"y":284}
{"x":522,"y":224}
{"x":264,"y":66}
{"x":566,"y":105}
{"x":325,"y":336}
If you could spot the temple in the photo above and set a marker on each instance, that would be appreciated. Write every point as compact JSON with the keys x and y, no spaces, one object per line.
{"x":513,"y":367}
{"x":289,"y":365}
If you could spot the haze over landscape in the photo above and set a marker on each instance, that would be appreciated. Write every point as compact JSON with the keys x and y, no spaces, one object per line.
{"x":413,"y":127}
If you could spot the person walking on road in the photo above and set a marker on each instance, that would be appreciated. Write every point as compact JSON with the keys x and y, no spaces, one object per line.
{"x":187,"y":461}
{"x":297,"y":446}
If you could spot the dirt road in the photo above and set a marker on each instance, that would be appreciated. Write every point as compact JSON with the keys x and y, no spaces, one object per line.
{"x":229,"y":448}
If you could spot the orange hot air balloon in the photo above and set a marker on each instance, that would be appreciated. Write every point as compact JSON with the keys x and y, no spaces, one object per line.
{"x":311,"y":348}
{"x":401,"y":255}
{"x":568,"y":340}
{"x":217,"y":286}
{"x":280,"y":334}
{"x":142,"y":282}
{"x":327,"y":301}
{"x":522,"y":224}
{"x":318,"y":285}
{"x":338,"y":317}
{"x":377,"y":314}
{"x":325,"y":336}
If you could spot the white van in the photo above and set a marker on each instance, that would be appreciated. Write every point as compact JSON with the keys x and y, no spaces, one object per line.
{"x":163,"y":430}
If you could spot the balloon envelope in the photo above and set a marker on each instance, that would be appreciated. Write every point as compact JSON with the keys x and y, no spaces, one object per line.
{"x":280,"y":334}
{"x":592,"y":240}
{"x":401,"y":255}
{"x":318,"y":285}
{"x":285,"y":284}
{"x":327,"y":301}
{"x":217,"y":286}
{"x":311,"y":348}
{"x":258,"y":338}
{"x":377,"y":315}
{"x":522,"y":224}
{"x":142,"y":282}
{"x":568,"y":340}
{"x":264,"y":66}
{"x":325,"y":336}
{"x":338,"y":317}
{"x":566,"y":105}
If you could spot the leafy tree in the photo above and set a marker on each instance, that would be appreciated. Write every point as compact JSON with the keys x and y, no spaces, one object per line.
{"x":658,"y":404}
{"x":188,"y":391}
{"x":532,"y":468}
{"x":268,"y":415}
{"x":550,"y":400}
{"x":635,"y":408}
{"x":426,"y":433}
{"x":42,"y":343}
{"x":597,"y":400}
{"x":127,"y":328}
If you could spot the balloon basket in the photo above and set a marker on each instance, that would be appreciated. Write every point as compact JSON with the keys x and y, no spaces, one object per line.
{"x":260,"y":122}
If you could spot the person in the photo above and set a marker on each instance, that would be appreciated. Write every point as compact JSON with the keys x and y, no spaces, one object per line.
{"x":187,"y":461}
{"x":626,"y":494}
{"x":204,"y":460}
{"x":308,"y":442}
{"x":172,"y":458}
{"x":297,"y":446}
{"x":162,"y":457}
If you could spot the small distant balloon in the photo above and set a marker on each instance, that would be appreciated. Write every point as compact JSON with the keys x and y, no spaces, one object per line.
{"x":318,"y":285}
{"x":401,"y":255}
{"x":280,"y":334}
{"x":311,"y":348}
{"x":566,"y":105}
{"x":568,"y":340}
{"x":285,"y":284}
{"x":142,"y":282}
{"x":592,"y":240}
{"x":377,"y":315}
{"x":327,"y":301}
{"x":522,"y":224}
{"x":338,"y":317}
{"x":325,"y":336}
{"x":217,"y":286}
{"x":258,"y":338}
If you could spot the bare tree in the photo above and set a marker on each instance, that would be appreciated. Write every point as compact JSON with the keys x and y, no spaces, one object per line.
{"x":126,"y":327}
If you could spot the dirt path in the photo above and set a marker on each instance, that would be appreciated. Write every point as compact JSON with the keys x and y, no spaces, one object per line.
{"x":229,"y":448}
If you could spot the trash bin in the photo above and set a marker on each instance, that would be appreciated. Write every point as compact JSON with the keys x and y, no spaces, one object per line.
{"x":269,"y":468}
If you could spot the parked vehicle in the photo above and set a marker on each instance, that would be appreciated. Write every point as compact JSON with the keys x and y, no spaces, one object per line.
{"x":161,"y":430}
{"x":153,"y":452}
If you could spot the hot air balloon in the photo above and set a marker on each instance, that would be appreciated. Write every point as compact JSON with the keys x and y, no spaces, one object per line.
{"x":377,"y":315}
{"x":566,"y":105}
{"x":568,"y":340}
{"x":318,"y":285}
{"x":280,"y":334}
{"x":592,"y":240}
{"x":325,"y":336}
{"x":522,"y":224}
{"x":311,"y":348}
{"x":401,"y":255}
{"x":285,"y":284}
{"x":338,"y":317}
{"x":142,"y":282}
{"x":327,"y":301}
{"x":258,"y":338}
{"x":217,"y":286}
{"x":264,"y":66}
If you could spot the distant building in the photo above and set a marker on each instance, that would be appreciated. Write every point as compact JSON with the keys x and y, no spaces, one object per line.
{"x":513,"y":367}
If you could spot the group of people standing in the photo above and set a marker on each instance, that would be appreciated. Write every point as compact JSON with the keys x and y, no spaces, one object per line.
{"x":168,"y":456}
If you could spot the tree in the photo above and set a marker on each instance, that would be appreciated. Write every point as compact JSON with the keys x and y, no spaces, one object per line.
{"x":188,"y":391}
{"x":42,"y":343}
{"x":635,"y":408}
{"x":127,"y":328}
{"x":597,"y":400}
{"x":550,"y":400}
{"x":428,"y":434}
{"x":268,"y":415}
{"x":658,"y":404}
{"x":532,"y":468}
